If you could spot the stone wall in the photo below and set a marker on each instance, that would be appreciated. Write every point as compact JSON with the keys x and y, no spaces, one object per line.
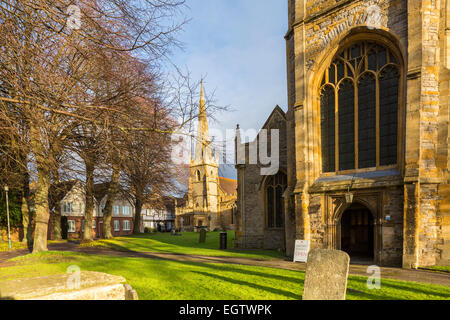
{"x":251,"y":227}
{"x":316,"y":221}
{"x":392,"y":230}
{"x":418,"y":232}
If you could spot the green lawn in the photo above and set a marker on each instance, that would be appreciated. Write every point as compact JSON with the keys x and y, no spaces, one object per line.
{"x":170,"y":280}
{"x":186,"y":244}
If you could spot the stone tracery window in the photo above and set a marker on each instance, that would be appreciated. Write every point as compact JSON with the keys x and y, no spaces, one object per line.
{"x":275,"y":187}
{"x":359,"y":102}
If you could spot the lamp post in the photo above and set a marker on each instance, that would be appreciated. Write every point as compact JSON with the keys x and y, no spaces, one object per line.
{"x":7,"y":217}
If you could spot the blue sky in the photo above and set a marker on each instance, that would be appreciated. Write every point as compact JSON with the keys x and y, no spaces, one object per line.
{"x":239,"y":46}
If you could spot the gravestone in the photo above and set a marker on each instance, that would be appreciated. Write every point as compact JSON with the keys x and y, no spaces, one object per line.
{"x":326,"y":275}
{"x":181,"y":224}
{"x":89,"y":286}
{"x":202,"y":236}
{"x":223,"y":240}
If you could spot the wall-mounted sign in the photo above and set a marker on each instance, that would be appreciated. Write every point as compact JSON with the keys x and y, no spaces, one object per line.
{"x":301,"y":250}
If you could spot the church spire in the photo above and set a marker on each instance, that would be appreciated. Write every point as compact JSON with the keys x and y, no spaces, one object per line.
{"x":202,"y":100}
{"x":202,"y":149}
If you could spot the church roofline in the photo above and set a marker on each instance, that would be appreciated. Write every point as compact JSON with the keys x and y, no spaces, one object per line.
{"x":276,"y":109}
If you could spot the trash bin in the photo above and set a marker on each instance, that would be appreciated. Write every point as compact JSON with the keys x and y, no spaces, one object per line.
{"x":223,"y":241}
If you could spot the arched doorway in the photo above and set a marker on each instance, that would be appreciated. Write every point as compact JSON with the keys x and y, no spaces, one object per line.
{"x":357,"y":233}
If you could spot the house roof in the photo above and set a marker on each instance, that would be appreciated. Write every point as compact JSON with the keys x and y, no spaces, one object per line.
{"x":57,"y":192}
{"x":229,"y":186}
{"x":100,"y":190}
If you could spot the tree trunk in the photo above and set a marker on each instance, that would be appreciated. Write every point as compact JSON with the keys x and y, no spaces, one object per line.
{"x":41,"y":193}
{"x":112,"y":191}
{"x":56,"y":232}
{"x":137,"y":215}
{"x":89,"y":214}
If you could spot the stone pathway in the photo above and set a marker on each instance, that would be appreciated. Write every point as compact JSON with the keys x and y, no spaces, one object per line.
{"x":421,"y":276}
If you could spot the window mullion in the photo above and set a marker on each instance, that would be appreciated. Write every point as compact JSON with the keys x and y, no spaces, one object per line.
{"x":356,"y":125}
{"x":377,"y":126}
{"x":336,"y":128}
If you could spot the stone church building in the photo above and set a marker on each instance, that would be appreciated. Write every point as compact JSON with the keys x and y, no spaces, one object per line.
{"x":364,"y":144}
{"x":211,"y":200}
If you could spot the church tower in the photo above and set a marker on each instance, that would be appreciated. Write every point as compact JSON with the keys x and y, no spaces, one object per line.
{"x":204,"y":174}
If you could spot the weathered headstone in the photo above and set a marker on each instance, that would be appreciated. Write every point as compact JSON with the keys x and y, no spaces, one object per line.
{"x":91,"y":286}
{"x":223,"y":240}
{"x":326,"y":275}
{"x":202,"y":236}
{"x":182,"y":224}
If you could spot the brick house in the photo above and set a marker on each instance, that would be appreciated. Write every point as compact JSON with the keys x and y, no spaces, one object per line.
{"x":122,"y":215}
{"x":162,"y":218}
{"x":71,"y":197}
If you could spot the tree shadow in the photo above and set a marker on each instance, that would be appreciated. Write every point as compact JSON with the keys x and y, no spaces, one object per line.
{"x":191,"y":240}
{"x":259,"y":274}
{"x":427,"y":291}
{"x":251,"y":285}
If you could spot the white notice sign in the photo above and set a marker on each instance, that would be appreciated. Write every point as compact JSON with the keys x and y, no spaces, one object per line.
{"x":301,"y":251}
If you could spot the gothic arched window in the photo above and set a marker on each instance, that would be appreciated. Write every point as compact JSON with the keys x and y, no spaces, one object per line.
{"x":275,"y":187}
{"x":359,"y":102}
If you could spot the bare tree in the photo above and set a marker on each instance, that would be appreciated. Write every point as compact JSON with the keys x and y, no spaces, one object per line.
{"x":148,"y":167}
{"x":48,"y":70}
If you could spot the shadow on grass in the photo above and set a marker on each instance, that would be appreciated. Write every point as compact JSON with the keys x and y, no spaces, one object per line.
{"x":418,"y":288}
{"x":251,"y":285}
{"x":258,"y":274}
{"x":387,"y":287}
{"x":188,"y":240}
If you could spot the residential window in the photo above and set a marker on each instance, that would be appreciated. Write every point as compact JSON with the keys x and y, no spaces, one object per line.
{"x":94,"y":225}
{"x":116,"y":225}
{"x":68,"y":207}
{"x":359,"y":103}
{"x":116,"y":210}
{"x":72,"y":227}
{"x":82,"y":226}
{"x":275,"y":187}
{"x":126,"y":210}
{"x":126,"y":225}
